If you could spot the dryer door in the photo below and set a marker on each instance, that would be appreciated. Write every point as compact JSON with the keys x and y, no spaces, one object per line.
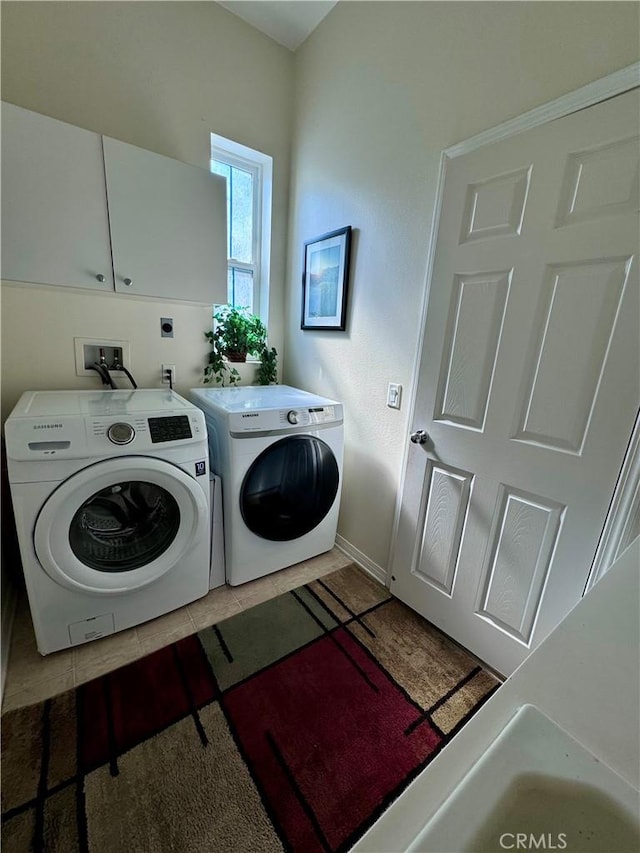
{"x":289,"y":488}
{"x":120,"y":524}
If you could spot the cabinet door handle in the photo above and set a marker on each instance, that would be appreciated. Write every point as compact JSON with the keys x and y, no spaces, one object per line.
{"x":127,"y":281}
{"x":100,"y":277}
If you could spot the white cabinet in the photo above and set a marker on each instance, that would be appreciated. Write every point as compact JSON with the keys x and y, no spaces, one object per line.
{"x":81,"y":210}
{"x":168,"y":225}
{"x":55,"y":228}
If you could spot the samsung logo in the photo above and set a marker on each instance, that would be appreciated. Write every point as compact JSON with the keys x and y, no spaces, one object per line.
{"x":47,"y":426}
{"x":251,"y":415}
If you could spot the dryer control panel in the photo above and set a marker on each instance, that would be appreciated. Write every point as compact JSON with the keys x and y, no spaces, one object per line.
{"x":304,"y":417}
{"x":287,"y":420}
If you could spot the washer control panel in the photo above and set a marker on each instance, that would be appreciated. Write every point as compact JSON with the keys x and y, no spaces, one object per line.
{"x":121,"y":433}
{"x":160,"y":429}
{"x":169,"y":429}
{"x":111,"y":431}
{"x":143,"y":432}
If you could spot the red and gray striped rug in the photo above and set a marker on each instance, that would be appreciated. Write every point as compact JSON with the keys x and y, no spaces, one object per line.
{"x":290,"y":726}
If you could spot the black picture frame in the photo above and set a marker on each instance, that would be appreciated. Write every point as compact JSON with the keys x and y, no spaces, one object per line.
{"x":325,"y":280}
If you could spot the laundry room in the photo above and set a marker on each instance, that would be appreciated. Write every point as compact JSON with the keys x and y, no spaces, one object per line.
{"x":345,"y":123}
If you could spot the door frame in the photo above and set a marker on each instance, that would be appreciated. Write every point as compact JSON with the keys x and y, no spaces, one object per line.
{"x":623,"y":512}
{"x":614,"y":84}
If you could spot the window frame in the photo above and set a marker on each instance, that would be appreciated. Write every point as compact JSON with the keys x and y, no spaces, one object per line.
{"x":261,"y":167}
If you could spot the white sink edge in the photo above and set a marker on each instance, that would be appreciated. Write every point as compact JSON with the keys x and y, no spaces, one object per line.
{"x":530,"y":743}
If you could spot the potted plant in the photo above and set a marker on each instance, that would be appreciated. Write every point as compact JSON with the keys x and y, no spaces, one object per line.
{"x":237,"y":334}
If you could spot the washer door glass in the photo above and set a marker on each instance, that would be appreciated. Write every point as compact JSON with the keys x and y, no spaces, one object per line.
{"x":124,"y":526}
{"x":289,"y":488}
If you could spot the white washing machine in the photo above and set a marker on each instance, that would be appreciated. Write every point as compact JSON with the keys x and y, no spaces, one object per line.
{"x":278,"y":451}
{"x":111,"y":497}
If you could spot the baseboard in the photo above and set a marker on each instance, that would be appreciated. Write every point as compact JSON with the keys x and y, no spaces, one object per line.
{"x":371,"y":568}
{"x":9,"y":601}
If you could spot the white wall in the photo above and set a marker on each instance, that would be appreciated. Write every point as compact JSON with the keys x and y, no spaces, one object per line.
{"x":161,"y":76}
{"x":381,"y":89}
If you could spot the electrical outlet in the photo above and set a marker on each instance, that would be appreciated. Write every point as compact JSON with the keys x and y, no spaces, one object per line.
{"x":169,"y":370}
{"x":394,"y":393}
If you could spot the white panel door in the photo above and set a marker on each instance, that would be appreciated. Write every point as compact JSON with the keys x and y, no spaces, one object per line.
{"x":55,"y":228}
{"x":168,"y":225}
{"x":529,"y":380}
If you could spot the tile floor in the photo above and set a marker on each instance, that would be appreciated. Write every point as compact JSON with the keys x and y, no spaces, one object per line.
{"x":32,"y":678}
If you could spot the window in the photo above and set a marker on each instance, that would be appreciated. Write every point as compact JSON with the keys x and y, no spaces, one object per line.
{"x":248,"y":174}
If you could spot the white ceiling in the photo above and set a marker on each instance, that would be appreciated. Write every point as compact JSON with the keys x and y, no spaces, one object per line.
{"x":288,"y":22}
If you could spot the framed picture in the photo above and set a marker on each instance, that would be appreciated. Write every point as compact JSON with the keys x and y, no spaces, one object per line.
{"x":324,"y":281}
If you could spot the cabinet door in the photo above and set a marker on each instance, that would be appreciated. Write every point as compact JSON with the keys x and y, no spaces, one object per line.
{"x":168,"y":225}
{"x":55,"y":228}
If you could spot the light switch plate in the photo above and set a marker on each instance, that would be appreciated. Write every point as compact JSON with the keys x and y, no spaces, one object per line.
{"x":394,"y":395}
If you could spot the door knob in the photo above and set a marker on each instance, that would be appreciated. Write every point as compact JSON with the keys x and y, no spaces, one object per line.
{"x":420,"y":436}
{"x":127,"y":281}
{"x":100,"y":277}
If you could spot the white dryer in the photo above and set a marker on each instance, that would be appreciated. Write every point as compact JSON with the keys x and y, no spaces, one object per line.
{"x":111,"y":497}
{"x":278,"y":451}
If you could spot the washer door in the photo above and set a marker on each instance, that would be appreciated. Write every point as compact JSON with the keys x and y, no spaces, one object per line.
{"x":119,"y":525}
{"x":289,"y":488}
